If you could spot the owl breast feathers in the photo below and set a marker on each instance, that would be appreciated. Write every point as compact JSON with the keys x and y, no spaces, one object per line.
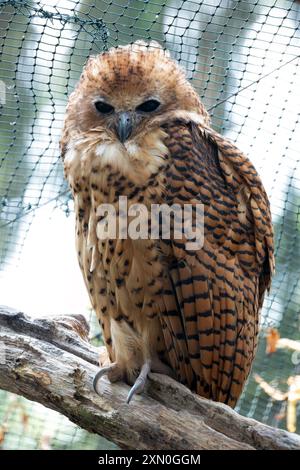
{"x":136,"y":128}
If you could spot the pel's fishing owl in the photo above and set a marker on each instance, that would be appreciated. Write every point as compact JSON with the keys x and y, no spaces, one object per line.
{"x":135,"y":127}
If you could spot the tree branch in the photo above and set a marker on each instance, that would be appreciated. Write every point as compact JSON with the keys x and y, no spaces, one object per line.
{"x":51,"y":362}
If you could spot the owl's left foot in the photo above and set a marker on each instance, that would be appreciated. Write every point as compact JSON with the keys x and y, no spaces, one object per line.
{"x":140,"y":382}
{"x":154,"y":365}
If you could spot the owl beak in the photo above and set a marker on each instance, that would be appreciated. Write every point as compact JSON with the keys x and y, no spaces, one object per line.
{"x":124,"y":126}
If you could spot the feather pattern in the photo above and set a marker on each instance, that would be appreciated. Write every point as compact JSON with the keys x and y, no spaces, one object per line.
{"x":219,"y":288}
{"x":191,"y":313}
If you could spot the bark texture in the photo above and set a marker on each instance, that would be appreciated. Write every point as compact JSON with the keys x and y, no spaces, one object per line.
{"x":50,"y":361}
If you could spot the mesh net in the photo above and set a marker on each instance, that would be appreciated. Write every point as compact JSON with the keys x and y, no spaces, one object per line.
{"x":243,"y":59}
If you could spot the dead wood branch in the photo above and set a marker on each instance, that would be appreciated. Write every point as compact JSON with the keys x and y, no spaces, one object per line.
{"x":51,"y":362}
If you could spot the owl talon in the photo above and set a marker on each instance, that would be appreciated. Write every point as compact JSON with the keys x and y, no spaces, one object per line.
{"x":98,"y":376}
{"x":112,"y":371}
{"x":140,"y":382}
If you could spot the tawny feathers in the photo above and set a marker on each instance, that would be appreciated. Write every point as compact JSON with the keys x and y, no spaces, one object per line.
{"x":136,"y":128}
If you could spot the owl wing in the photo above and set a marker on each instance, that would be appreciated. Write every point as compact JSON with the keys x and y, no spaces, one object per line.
{"x":212,"y":297}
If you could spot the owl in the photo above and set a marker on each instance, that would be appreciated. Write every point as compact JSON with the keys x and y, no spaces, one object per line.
{"x":136,"y":130}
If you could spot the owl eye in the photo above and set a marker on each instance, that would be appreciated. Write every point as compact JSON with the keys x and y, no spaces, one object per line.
{"x":104,"y":108}
{"x":148,"y":106}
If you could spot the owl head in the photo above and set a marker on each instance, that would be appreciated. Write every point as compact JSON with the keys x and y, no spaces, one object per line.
{"x":128,"y":90}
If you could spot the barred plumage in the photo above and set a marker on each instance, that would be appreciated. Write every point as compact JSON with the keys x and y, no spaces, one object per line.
{"x":220,"y":290}
{"x":193,"y":315}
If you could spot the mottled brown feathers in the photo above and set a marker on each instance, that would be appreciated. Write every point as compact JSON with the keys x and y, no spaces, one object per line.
{"x":196,"y":312}
{"x":219,"y":294}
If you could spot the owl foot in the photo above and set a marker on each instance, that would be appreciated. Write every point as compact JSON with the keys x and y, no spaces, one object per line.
{"x":113,"y":372}
{"x":140,"y":382}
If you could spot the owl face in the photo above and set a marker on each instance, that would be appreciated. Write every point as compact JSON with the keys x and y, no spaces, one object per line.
{"x":127,"y":90}
{"x":127,"y":119}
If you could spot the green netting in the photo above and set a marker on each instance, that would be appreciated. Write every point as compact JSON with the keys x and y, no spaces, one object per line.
{"x":243,"y":59}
